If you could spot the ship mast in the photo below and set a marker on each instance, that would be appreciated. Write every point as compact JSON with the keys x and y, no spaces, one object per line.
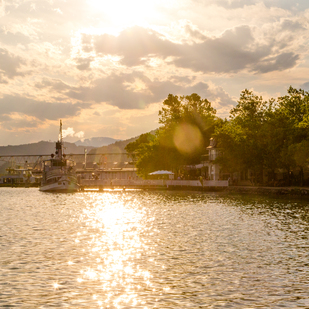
{"x":60,"y":132}
{"x":59,"y":146}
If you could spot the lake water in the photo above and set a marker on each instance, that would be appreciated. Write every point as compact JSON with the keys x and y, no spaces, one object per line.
{"x":144,"y":249}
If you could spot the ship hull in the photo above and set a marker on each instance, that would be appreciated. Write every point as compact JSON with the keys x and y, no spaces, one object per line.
{"x":62,"y":185}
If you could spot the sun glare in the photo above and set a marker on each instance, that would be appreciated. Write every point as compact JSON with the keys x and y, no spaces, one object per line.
{"x":126,"y":13}
{"x":114,"y":249}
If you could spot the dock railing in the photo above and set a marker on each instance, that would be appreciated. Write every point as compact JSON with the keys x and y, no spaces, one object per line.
{"x":198,"y":183}
{"x":159,"y":183}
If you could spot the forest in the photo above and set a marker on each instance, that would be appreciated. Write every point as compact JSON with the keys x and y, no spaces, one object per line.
{"x":259,"y":135}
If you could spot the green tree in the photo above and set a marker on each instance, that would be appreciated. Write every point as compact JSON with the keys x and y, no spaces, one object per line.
{"x":244,"y":136}
{"x":138,"y":148}
{"x":292,"y":115}
{"x":187,"y":123}
{"x":133,"y":147}
{"x":187,"y":109}
{"x":230,"y":138}
{"x":301,"y":156}
{"x":266,"y":135}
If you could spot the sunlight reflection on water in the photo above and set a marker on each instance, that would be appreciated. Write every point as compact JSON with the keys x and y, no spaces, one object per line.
{"x":138,"y":249}
{"x":116,"y":225}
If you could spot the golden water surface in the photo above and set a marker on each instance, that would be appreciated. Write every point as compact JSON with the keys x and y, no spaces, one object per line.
{"x":139,"y":249}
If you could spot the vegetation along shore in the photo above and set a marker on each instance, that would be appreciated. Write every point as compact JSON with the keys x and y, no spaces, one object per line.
{"x":261,"y":143}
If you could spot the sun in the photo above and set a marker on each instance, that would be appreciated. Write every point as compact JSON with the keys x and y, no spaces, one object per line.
{"x":126,"y":13}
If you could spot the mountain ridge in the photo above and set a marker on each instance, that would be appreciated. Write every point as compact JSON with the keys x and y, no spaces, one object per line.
{"x":47,"y":147}
{"x":96,"y":141}
{"x":40,"y":148}
{"x":117,"y":147}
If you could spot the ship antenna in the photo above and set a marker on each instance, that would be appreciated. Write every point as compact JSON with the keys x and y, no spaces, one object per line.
{"x":60,"y":132}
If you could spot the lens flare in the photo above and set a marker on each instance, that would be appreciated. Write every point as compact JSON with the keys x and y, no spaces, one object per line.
{"x":187,"y":138}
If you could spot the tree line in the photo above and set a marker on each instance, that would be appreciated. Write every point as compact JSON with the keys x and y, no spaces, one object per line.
{"x":259,"y":135}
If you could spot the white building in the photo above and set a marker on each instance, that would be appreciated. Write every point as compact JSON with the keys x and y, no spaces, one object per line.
{"x":213,"y":153}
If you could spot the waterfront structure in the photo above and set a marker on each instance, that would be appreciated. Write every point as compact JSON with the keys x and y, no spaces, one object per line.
{"x":107,"y":174}
{"x":213,"y":153}
{"x":208,"y":169}
{"x":18,"y":177}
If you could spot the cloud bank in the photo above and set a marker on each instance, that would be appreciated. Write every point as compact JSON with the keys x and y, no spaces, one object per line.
{"x":67,"y":60}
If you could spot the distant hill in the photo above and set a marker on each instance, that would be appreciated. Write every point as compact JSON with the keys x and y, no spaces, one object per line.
{"x":47,"y":148}
{"x":96,"y":142}
{"x":41,"y":148}
{"x":117,"y":147}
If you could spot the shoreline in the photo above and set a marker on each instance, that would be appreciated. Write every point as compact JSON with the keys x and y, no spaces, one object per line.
{"x":278,"y":191}
{"x":274,"y":191}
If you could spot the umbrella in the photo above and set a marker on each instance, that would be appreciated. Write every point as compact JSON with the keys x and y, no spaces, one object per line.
{"x":161,"y":173}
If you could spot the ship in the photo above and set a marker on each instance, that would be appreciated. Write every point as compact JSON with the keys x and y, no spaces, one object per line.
{"x":59,"y":173}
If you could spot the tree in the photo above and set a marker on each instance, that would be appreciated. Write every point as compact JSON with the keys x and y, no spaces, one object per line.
{"x":266,"y":135}
{"x":137,"y":149}
{"x":243,"y":138}
{"x":133,"y":147}
{"x":187,"y":124}
{"x":230,"y":138}
{"x":292,"y":115}
{"x":187,"y":109}
{"x":301,"y":156}
{"x":293,"y":110}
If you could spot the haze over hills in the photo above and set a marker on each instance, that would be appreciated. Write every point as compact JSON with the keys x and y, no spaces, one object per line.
{"x":117,"y":147}
{"x":96,"y":141}
{"x":46,"y":148}
{"x":40,"y":148}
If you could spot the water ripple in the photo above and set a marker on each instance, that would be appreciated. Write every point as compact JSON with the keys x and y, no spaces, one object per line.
{"x":138,"y":249}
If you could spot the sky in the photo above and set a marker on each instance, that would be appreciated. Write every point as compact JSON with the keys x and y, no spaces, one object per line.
{"x":105,"y":67}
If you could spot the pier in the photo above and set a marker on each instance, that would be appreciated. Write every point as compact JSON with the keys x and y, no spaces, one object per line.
{"x":159,"y":184}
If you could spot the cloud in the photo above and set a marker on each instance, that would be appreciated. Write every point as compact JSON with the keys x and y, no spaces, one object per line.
{"x":228,"y":53}
{"x":278,"y":63}
{"x":80,"y":134}
{"x":53,"y":85}
{"x":233,"y":51}
{"x":292,"y":25}
{"x":125,"y":91}
{"x":13,"y":38}
{"x":60,"y":51}
{"x":288,"y":5}
{"x":283,"y":4}
{"x":234,"y":4}
{"x":3,"y":80}
{"x":70,"y":132}
{"x":83,"y":63}
{"x":305,"y":86}
{"x":133,"y":44}
{"x":10,"y":104}
{"x":119,"y":90}
{"x":112,"y":90}
{"x":10,"y":64}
